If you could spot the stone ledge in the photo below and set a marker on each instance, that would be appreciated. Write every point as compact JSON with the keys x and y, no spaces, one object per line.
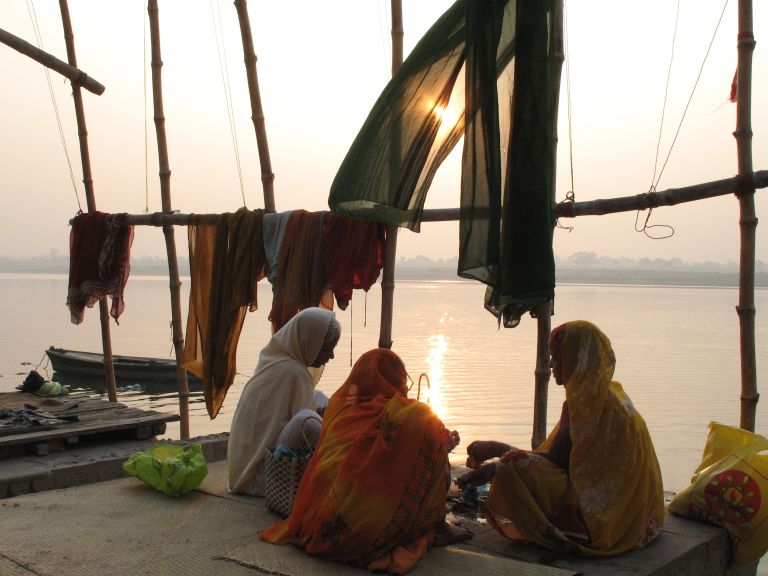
{"x":86,"y":464}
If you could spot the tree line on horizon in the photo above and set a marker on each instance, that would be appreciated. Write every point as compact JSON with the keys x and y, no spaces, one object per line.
{"x":59,"y":262}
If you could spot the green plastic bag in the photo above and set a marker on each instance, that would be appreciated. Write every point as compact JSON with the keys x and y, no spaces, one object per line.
{"x":169,"y":468}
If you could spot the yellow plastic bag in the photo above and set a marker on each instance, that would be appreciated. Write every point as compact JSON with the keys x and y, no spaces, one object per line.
{"x":169,"y":468}
{"x":730,"y":488}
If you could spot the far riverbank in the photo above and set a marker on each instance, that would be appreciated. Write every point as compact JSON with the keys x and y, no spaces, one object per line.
{"x":446,"y":271}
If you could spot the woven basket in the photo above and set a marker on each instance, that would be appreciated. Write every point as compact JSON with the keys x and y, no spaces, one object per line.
{"x":282,"y":477}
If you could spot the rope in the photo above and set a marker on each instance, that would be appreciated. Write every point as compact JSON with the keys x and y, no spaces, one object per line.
{"x":666,"y":92}
{"x":652,"y":189}
{"x":654,"y":183}
{"x":36,"y":27}
{"x":146,"y":145}
{"x":385,"y":46}
{"x":45,"y":359}
{"x":224,"y":69}
{"x":693,"y":90}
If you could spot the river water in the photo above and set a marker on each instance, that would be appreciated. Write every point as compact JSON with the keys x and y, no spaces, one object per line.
{"x":677,"y":353}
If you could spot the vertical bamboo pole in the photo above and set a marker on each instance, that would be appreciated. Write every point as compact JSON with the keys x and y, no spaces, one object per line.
{"x":90,"y":197}
{"x":165,"y":191}
{"x":541,"y":373}
{"x":544,"y":311}
{"x":390,"y":244}
{"x":257,"y":113}
{"x":747,"y":219}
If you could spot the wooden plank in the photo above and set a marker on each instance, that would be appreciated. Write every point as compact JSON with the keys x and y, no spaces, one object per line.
{"x":85,"y":429}
{"x":94,"y":416}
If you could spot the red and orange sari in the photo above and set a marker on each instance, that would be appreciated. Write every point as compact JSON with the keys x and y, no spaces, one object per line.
{"x":375,"y":488}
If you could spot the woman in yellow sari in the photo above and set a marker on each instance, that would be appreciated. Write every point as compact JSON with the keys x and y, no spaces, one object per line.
{"x":594,"y":486}
{"x":374,"y":492}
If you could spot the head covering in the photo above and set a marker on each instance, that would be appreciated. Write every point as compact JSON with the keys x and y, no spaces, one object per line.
{"x":378,"y":372}
{"x":299,"y":339}
{"x":584,"y":352}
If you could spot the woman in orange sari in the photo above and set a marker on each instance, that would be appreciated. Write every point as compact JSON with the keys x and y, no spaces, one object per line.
{"x":374,"y":492}
{"x":594,"y":486}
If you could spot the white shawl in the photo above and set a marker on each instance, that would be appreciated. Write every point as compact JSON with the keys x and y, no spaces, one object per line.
{"x":280,"y":386}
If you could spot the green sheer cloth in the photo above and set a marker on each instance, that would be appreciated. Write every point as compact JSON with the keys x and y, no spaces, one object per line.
{"x":482,"y":72}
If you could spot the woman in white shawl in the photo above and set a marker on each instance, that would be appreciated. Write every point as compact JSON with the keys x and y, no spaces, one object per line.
{"x":281,"y":387}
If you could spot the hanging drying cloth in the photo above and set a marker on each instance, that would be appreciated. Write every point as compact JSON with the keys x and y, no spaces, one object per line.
{"x":354,"y":255}
{"x":99,"y":262}
{"x":201,"y":237}
{"x":274,"y":229}
{"x":483,"y":72}
{"x":236,"y":267}
{"x":300,"y":277}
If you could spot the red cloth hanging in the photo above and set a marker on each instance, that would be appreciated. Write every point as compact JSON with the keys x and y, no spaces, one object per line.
{"x":354,"y":255}
{"x":99,"y":262}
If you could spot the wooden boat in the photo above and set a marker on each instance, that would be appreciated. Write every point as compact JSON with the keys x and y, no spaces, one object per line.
{"x":139,"y":369}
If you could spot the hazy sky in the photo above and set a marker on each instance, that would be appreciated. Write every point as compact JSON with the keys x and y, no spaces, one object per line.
{"x":321,"y":67}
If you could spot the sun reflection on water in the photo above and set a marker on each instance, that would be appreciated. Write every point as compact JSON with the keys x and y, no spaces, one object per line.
{"x":438,"y":346}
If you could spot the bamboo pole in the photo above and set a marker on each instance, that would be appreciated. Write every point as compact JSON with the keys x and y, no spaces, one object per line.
{"x":601,"y":207}
{"x":542,"y":373}
{"x":257,"y":112}
{"x":76,"y":76}
{"x":90,"y":197}
{"x":165,"y":191}
{"x":544,"y":311}
{"x":390,"y":244}
{"x":670,"y":197}
{"x":747,"y":218}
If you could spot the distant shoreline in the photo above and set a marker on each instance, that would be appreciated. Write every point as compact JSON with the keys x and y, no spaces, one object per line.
{"x":565,"y":274}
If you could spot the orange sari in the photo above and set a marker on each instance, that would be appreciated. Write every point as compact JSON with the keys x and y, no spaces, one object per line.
{"x":375,"y":488}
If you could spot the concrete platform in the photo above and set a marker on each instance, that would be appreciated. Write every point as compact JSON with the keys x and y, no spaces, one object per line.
{"x":122,"y":527}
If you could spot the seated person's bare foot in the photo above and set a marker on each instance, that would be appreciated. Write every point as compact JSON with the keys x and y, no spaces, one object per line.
{"x":447,"y":533}
{"x":477,"y":477}
{"x":481,"y":450}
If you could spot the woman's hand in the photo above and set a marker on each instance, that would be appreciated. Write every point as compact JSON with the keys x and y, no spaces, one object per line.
{"x":481,"y":450}
{"x":452,"y":440}
{"x":478,"y":477}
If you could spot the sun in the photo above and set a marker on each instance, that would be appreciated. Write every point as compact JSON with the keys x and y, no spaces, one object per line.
{"x":447,"y":114}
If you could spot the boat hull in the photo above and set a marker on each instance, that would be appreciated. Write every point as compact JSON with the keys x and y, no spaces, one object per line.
{"x":138,"y":369}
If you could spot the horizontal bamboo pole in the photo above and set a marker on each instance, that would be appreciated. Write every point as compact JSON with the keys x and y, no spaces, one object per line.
{"x":669,"y":197}
{"x":75,"y":75}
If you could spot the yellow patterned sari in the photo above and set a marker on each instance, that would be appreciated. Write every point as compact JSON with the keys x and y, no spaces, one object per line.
{"x":375,"y":488}
{"x":610,"y":500}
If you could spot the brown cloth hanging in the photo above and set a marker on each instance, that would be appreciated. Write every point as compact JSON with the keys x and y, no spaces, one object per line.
{"x":301,"y":271}
{"x":354,"y":255}
{"x":201,"y":239}
{"x":99,"y":262}
{"x":236,"y":265}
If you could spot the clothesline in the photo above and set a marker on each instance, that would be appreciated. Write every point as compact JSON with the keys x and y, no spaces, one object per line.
{"x":669,"y":197}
